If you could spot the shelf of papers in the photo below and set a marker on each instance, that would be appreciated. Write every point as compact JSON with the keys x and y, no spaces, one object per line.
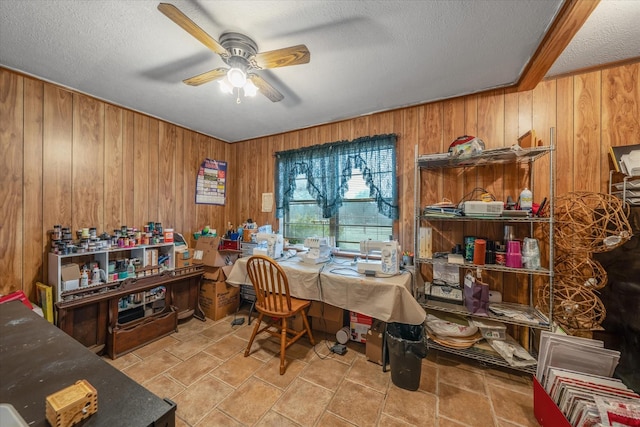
{"x":481,"y":356}
{"x":628,"y":189}
{"x":538,"y":320}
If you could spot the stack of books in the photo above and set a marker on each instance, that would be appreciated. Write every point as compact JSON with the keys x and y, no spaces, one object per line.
{"x":576,"y":374}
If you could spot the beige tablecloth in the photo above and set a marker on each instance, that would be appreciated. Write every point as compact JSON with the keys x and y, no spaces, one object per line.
{"x":389,"y":299}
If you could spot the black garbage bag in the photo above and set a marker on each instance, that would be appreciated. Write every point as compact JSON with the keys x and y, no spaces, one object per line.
{"x":407,"y":347}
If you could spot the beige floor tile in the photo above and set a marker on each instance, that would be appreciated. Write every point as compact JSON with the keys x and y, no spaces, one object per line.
{"x":151,"y":366}
{"x":237,"y":369}
{"x":250,"y":401}
{"x":515,"y":407}
{"x":200,"y":398}
{"x":164,"y":386}
{"x":446,"y":422}
{"x":462,"y":378}
{"x":331,"y":420}
{"x":156,"y":346}
{"x":303,"y":402}
{"x":519,"y":383}
{"x":369,"y":374}
{"x":327,"y":373}
{"x":273,"y":419}
{"x":301,"y":350}
{"x":123,"y":362}
{"x":226,"y":347}
{"x":412,"y":407}
{"x":216,"y":418}
{"x":270,"y":372}
{"x":181,"y":423}
{"x":428,"y":378}
{"x":217,"y":330}
{"x":464,"y":406}
{"x":389,"y":421}
{"x":188,"y":346}
{"x":245,"y":330}
{"x":356,"y":403}
{"x":190,"y":370}
{"x":193,"y":325}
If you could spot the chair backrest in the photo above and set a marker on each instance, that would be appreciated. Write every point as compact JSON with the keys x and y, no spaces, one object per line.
{"x":270,"y":283}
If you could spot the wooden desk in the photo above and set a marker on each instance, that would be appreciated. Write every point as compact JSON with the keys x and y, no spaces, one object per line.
{"x":38,"y":359}
{"x":389,"y":299}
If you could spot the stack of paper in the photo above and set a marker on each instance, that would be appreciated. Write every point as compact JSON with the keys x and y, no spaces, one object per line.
{"x":630,"y":163}
{"x":576,"y":373}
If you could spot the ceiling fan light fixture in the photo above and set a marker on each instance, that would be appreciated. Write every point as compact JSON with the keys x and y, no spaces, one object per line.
{"x":225,"y":86}
{"x":237,"y":77}
{"x":250,"y":89}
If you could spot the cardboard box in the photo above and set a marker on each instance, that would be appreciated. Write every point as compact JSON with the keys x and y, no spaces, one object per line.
{"x":181,"y":262}
{"x":325,"y":317}
{"x":207,"y":253}
{"x":183,"y":258}
{"x":375,"y":336}
{"x":295,"y":323}
{"x":359,"y":325}
{"x":217,"y":299}
{"x":70,"y":276}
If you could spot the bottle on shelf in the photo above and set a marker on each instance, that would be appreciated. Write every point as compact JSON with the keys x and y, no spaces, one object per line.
{"x":131,"y":269}
{"x":526,"y":200}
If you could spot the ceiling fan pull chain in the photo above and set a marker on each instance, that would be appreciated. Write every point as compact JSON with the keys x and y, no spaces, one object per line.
{"x":238,"y":99}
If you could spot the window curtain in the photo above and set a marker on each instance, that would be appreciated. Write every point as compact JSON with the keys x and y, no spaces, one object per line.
{"x":328,"y":168}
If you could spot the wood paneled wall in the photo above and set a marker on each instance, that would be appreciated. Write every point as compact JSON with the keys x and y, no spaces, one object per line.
{"x":590,"y":112}
{"x":73,"y":160}
{"x":76,"y":161}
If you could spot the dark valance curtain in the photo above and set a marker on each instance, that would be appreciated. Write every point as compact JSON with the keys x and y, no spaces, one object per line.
{"x":328,"y":169}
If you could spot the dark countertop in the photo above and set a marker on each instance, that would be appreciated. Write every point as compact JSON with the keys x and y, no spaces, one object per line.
{"x":38,"y":359}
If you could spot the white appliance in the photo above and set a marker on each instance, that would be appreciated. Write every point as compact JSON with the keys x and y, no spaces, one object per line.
{"x":319,"y":250}
{"x":479,"y":208}
{"x":269,"y":244}
{"x":389,"y":264}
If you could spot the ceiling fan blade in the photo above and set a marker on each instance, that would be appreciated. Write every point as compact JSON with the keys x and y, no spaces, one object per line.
{"x":191,"y":27}
{"x":284,"y":57}
{"x":265,"y":88}
{"x":206,"y":77}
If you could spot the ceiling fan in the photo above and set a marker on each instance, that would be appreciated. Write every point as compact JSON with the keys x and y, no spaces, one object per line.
{"x":241,"y":54}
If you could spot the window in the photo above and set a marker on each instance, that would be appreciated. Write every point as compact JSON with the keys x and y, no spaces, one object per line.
{"x":345,"y":190}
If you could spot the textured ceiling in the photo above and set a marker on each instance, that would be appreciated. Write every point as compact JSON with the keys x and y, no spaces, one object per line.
{"x":366,"y":56}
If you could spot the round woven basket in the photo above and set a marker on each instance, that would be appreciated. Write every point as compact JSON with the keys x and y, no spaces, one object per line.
{"x":575,"y":308}
{"x":580,"y":270}
{"x":587,"y":222}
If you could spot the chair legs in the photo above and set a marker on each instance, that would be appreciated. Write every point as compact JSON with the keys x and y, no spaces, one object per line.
{"x":253,"y":335}
{"x":283,"y":344}
{"x":284,"y":339}
{"x":308,"y":328}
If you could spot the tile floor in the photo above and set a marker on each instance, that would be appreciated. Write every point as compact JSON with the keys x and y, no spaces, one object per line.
{"x":203,"y":369}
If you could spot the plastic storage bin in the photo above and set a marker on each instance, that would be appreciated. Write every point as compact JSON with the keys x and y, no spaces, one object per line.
{"x":407,"y":347}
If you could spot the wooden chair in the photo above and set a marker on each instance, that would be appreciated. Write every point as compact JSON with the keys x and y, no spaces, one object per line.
{"x":275,"y":305}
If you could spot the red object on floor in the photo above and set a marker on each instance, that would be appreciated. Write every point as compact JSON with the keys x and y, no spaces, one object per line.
{"x":17,"y":295}
{"x":544,"y":408}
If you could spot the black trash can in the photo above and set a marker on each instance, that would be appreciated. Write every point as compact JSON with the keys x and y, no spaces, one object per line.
{"x":407,"y":347}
